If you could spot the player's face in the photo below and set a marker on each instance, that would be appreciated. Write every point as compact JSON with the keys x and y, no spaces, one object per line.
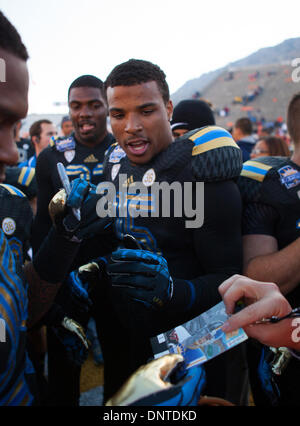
{"x":88,"y":112}
{"x":13,"y":107}
{"x":179,"y":132}
{"x":140,"y":120}
{"x":47,"y":131}
{"x":67,"y":128}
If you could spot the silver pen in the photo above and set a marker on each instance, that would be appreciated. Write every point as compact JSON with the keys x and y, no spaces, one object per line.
{"x":67,"y":186}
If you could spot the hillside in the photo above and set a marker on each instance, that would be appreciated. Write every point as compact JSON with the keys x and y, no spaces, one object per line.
{"x":267,"y":72}
{"x":272,"y":85}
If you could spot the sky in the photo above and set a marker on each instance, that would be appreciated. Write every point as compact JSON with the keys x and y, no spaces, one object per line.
{"x":68,"y":38}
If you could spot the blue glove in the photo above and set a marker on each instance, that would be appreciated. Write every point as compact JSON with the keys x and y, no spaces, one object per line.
{"x":164,"y":381}
{"x":84,"y":198}
{"x":75,"y":349}
{"x":79,"y":291}
{"x":81,"y":190}
{"x":184,"y":393}
{"x":143,"y":276}
{"x":266,"y":376}
{"x":73,"y":300}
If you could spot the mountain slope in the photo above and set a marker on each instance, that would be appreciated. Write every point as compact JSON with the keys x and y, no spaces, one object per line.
{"x":273,"y":71}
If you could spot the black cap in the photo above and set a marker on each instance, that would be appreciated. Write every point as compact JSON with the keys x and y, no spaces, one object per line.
{"x":192,"y":114}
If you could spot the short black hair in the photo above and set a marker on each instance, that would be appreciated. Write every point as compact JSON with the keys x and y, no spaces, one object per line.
{"x":86,"y":81}
{"x":10,"y":39}
{"x":137,"y":71}
{"x":245,"y":125}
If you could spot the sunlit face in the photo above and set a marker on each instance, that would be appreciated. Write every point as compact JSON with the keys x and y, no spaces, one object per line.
{"x":47,"y":131}
{"x":260,"y":150}
{"x":177,"y":133}
{"x":140,"y":120}
{"x":88,"y":112}
{"x":13,"y":107}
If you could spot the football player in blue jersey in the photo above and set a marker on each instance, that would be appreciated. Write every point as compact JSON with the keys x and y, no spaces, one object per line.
{"x":26,"y":294}
{"x":82,"y":154}
{"x":270,"y":190}
{"x":172,"y":274}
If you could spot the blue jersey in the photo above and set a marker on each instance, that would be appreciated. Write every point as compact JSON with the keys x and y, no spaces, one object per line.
{"x":14,"y":363}
{"x":15,"y":221}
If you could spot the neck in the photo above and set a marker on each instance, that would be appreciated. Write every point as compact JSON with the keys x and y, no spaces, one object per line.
{"x":91,"y":142}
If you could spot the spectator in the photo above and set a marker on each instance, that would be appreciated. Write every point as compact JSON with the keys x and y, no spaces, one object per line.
{"x":24,"y":145}
{"x":66,"y":126}
{"x":270,"y":146}
{"x":41,"y":133}
{"x":189,"y":115}
{"x":242,"y":134}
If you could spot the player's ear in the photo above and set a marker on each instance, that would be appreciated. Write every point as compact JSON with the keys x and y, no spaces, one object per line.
{"x":169,"y":108}
{"x":35,"y":139}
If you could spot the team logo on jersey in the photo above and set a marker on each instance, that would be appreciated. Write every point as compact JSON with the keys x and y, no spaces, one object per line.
{"x":289,"y":177}
{"x":64,"y":144}
{"x":115,"y":170}
{"x":116,"y":155}
{"x":8,"y":226}
{"x":25,"y":146}
{"x":69,"y":155}
{"x":91,"y":159}
{"x":149,"y":177}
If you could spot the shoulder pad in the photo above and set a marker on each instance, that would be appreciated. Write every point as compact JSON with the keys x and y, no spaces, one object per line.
{"x":258,"y":168}
{"x":110,"y":149}
{"x":115,"y":153}
{"x":15,"y":219}
{"x":253,"y":175}
{"x":63,"y":143}
{"x":215,"y":155}
{"x":23,"y":178}
{"x":9,"y":189}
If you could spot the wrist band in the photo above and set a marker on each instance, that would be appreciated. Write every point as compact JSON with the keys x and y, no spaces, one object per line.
{"x":293,"y":314}
{"x":295,"y":354}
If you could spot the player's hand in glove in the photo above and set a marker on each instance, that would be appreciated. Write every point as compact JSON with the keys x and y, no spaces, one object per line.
{"x":83,"y":198}
{"x":143,"y":276}
{"x":164,"y":381}
{"x":72,"y":335}
{"x":69,"y":315}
